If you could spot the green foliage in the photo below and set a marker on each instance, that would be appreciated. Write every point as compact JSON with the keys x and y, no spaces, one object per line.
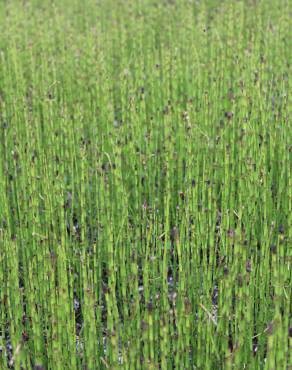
{"x":145,"y":184}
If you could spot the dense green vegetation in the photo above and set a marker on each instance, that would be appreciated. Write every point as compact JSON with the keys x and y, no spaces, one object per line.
{"x":145,"y":184}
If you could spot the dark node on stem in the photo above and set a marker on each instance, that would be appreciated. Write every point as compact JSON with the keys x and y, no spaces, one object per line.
{"x":255,"y":345}
{"x":4,"y":223}
{"x":25,"y":336}
{"x":248,"y":266}
{"x":182,"y":195}
{"x":150,"y":306}
{"x":165,"y":110}
{"x":143,"y":180}
{"x":281,"y":229}
{"x":78,"y":328}
{"x":76,"y":304}
{"x":38,"y":367}
{"x":105,"y":289}
{"x":215,"y":295}
{"x":273,"y":248}
{"x":230,"y":341}
{"x":24,"y":319}
{"x":228,"y":115}
{"x":230,"y":233}
{"x":104,"y":166}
